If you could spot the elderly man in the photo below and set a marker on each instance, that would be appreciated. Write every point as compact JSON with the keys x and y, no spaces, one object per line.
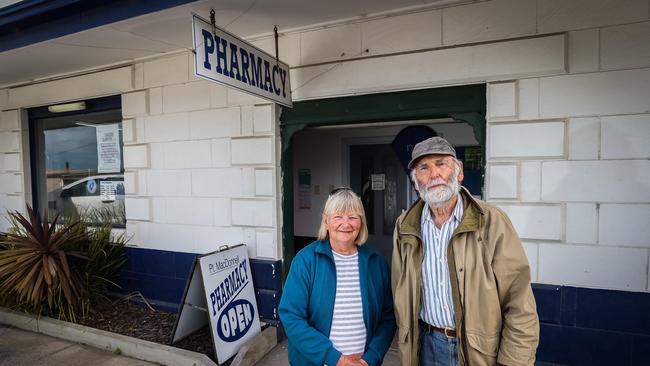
{"x":460,"y":277}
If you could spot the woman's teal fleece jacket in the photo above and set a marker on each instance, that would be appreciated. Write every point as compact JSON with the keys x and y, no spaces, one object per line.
{"x":307,"y":305}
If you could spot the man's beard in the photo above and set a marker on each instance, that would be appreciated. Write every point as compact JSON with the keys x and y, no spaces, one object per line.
{"x":440,"y":196}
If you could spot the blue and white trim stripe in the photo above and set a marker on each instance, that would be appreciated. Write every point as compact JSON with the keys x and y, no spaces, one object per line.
{"x":437,"y":305}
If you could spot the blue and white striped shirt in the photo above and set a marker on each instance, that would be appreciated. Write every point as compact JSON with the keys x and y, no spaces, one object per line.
{"x":437,"y":305}
{"x":348,"y":332}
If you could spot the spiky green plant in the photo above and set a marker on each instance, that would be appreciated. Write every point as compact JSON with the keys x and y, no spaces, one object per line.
{"x":35,"y":264}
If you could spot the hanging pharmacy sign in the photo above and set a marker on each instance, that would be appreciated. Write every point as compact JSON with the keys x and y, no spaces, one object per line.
{"x":223,"y":58}
{"x":221,"y":284}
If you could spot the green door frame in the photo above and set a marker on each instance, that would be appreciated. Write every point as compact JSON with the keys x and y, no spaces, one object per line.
{"x":466,"y":103}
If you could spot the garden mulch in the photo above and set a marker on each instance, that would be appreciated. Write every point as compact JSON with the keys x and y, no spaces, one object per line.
{"x":126,"y":318}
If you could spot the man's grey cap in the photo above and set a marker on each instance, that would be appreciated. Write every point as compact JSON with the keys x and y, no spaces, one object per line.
{"x":434,"y":145}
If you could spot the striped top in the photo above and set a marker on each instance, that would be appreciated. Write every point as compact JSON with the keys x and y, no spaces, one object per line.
{"x":348,"y":333}
{"x":437,"y":306}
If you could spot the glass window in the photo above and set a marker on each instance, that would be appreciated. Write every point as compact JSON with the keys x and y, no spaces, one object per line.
{"x":78,"y":167}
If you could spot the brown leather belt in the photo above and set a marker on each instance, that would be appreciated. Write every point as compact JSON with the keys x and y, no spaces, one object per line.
{"x":450,"y":333}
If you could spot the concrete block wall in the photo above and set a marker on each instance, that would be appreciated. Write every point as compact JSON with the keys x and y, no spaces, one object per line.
{"x":200,"y":164}
{"x":12,"y":188}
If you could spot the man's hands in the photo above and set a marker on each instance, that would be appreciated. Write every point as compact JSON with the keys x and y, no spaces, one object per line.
{"x":351,"y":360}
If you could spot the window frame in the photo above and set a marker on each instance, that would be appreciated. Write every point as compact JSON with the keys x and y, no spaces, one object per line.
{"x":36,"y":145}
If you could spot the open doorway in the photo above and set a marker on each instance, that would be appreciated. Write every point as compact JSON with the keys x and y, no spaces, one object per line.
{"x":346,"y":141}
{"x":360,"y":156}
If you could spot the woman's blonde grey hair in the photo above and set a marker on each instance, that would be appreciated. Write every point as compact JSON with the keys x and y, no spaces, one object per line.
{"x":340,"y":202}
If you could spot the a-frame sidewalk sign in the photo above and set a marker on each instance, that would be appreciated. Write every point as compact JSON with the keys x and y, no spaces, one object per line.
{"x":220,"y":292}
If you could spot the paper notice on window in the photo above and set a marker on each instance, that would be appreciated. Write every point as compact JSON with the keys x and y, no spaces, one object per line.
{"x":107,"y":190}
{"x":109,"y":159}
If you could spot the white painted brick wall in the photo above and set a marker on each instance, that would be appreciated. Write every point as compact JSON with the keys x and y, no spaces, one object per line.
{"x":225,"y":182}
{"x":101,"y":83}
{"x":531,"y":250}
{"x":584,"y":138}
{"x":220,"y":150}
{"x":187,"y":210}
{"x":625,"y":137}
{"x":130,"y":185}
{"x":336,"y":43}
{"x":250,"y":239}
{"x":134,"y":104}
{"x":128,"y":131}
{"x":605,"y":93}
{"x":157,"y":155}
{"x":167,"y":127}
{"x":624,"y":225}
{"x":166,"y":71}
{"x":247,"y":121}
{"x":253,"y":213}
{"x":545,"y":139}
{"x":238,"y":99}
{"x":402,"y":33}
{"x":528,"y":98}
{"x":186,"y":97}
{"x":10,"y":120}
{"x":499,"y":61}
{"x":169,"y":183}
{"x":542,"y":222}
{"x":593,"y":266}
{"x":583,"y":51}
{"x":222,"y":213}
{"x":209,"y":238}
{"x":288,"y":45}
{"x":136,"y":156}
{"x":596,"y":181}
{"x":11,"y":183}
{"x":561,"y":15}
{"x":9,"y":141}
{"x":224,"y":122}
{"x":264,"y":182}
{"x":178,"y":238}
{"x":502,"y":181}
{"x":10,"y":162}
{"x":263,"y":119}
{"x":581,"y":223}
{"x":253,"y":151}
{"x":137,"y":208}
{"x":488,"y":20}
{"x":187,"y":154}
{"x":155,"y":101}
{"x":218,"y":96}
{"x":248,"y":177}
{"x":530,"y":182}
{"x":625,"y":47}
{"x":11,"y":203}
{"x":4,"y":99}
{"x":502,"y":100}
{"x":266,"y":245}
{"x":141,"y":180}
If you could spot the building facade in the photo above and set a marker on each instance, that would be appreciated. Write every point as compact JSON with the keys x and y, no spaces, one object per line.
{"x":563,"y":139}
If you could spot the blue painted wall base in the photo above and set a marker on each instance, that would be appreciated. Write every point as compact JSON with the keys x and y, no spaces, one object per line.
{"x":579,"y":326}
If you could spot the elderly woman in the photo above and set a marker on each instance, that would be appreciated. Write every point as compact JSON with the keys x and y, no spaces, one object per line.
{"x":337,"y":307}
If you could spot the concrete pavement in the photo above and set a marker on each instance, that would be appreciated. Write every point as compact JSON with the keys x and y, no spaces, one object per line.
{"x":278,"y":356}
{"x":23,"y":348}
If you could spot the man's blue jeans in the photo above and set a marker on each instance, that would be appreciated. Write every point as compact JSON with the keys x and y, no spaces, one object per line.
{"x":436,"y":349}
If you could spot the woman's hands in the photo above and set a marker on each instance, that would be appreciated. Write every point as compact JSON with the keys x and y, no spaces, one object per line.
{"x":351,"y":360}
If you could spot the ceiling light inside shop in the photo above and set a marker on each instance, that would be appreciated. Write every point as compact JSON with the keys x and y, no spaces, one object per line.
{"x":67,"y":107}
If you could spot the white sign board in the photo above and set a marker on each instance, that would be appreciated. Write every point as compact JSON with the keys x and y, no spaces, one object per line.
{"x":109,"y":159}
{"x":228,"y":297}
{"x":222,"y":57}
{"x":107,"y":190}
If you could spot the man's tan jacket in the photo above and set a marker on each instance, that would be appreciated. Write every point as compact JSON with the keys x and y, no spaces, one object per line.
{"x":495,"y":312}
